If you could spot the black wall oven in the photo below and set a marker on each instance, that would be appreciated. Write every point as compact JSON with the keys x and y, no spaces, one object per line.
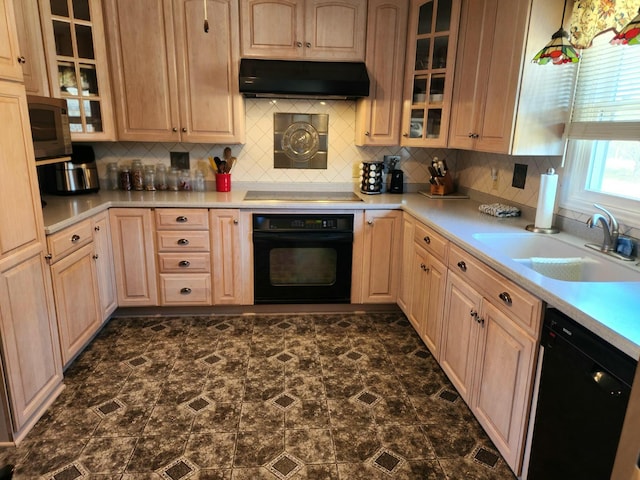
{"x":302,"y":258}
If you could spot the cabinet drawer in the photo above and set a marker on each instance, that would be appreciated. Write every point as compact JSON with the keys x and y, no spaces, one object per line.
{"x":184,"y":262}
{"x":185,"y":289}
{"x":183,"y":241}
{"x":182,"y":219}
{"x":516,"y":302}
{"x":69,"y":240}
{"x":433,"y":242}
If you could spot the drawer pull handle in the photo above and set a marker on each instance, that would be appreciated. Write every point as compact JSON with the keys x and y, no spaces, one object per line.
{"x":427,"y":240}
{"x":474,"y":314}
{"x":184,"y":263}
{"x":183,"y":241}
{"x":506,"y":298}
{"x":97,"y":228}
{"x":185,"y":291}
{"x":462,"y":266}
{"x":182,"y":219}
{"x":75,"y":238}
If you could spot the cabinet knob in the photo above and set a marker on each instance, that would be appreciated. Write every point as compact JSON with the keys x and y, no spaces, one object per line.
{"x":95,"y":256}
{"x":299,"y":44}
{"x":48,"y":256}
{"x":185,"y":291}
{"x":22,"y":60}
{"x":473,"y":314}
{"x":184,"y":263}
{"x":405,"y":134}
{"x":97,"y":228}
{"x":369,"y":222}
{"x":182,"y":219}
{"x":367,"y":134}
{"x":235,"y":221}
{"x":174,"y":129}
{"x":183,"y":241}
{"x":308,"y":44}
{"x":75,"y":238}
{"x":184,"y":130}
{"x":505,"y":297}
{"x":462,"y":266}
{"x":427,"y":240}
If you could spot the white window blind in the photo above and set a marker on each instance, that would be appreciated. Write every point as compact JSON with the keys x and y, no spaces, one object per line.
{"x":607,"y":100}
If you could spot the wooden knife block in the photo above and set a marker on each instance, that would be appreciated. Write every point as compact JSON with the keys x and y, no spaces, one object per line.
{"x":445,"y":188}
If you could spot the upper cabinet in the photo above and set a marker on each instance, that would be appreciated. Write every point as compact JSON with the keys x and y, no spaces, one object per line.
{"x":502,"y":102}
{"x":173,"y":81}
{"x":34,"y":67}
{"x":378,"y":116}
{"x":431,"y":53}
{"x":73,"y":33}
{"x":299,"y":29}
{"x":10,"y":68}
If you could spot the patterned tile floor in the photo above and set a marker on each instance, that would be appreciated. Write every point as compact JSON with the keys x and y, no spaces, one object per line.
{"x":313,"y":396}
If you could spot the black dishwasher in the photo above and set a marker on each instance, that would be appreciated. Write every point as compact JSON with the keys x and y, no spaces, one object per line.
{"x":583,"y":393}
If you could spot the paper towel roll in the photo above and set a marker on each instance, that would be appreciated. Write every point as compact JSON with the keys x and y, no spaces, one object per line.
{"x":546,"y":200}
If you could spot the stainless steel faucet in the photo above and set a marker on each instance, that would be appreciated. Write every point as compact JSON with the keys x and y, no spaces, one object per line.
{"x":609,"y":227}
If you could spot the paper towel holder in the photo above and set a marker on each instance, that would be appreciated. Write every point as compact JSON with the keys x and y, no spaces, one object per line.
{"x":551,"y":229}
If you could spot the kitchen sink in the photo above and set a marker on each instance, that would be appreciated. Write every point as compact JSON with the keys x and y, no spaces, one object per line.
{"x":558,"y":259}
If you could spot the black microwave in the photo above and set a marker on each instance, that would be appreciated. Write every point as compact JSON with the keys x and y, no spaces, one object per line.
{"x":49,"y":127}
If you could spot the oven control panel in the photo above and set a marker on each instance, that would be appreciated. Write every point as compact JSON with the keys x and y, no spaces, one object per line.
{"x":285,"y":222}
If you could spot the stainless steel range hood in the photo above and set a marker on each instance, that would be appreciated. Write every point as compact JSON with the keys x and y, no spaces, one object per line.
{"x":302,"y":79}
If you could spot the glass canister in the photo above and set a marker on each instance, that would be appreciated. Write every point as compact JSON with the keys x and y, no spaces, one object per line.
{"x":161,"y":177}
{"x":137,"y":175}
{"x":185,"y":180}
{"x":198,"y":182}
{"x":149,"y":178}
{"x":125,"y":178}
{"x":113,"y":177}
{"x":173,"y":179}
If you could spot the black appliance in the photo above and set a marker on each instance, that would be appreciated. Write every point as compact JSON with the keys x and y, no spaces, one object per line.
{"x":288,"y":78}
{"x":75,"y":176}
{"x":302,"y":258}
{"x":50,"y":130}
{"x":584,"y":389}
{"x":397,"y":181}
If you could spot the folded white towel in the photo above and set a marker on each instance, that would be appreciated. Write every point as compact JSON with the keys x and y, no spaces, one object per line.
{"x":569,"y":269}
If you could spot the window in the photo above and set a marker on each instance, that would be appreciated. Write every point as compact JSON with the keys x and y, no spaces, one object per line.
{"x":603,"y":155}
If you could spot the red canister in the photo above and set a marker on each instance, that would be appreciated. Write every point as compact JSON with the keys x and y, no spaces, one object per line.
{"x":223,"y":182}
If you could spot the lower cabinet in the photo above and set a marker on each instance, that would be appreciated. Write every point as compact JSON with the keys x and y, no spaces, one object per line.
{"x":406,"y":270}
{"x":488,"y":349}
{"x":104,"y":265}
{"x":134,"y":256}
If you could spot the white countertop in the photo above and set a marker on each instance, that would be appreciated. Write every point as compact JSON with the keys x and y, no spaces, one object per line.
{"x":609,"y":309}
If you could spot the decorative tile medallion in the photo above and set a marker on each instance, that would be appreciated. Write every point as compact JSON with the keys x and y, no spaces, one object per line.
{"x":285,"y":466}
{"x":107,"y":408}
{"x":448,"y":395}
{"x":284,"y":325}
{"x":179,"y":469}
{"x":421,"y":353}
{"x":69,"y":472}
{"x":284,"y":401}
{"x":284,"y":357}
{"x":386,"y":461}
{"x":211,"y":359}
{"x":158,"y":327}
{"x":198,"y":404}
{"x":368,"y":398}
{"x":353,"y":355}
{"x":344,"y":324}
{"x":485,"y":457}
{"x":137,"y":361}
{"x":223,"y":326}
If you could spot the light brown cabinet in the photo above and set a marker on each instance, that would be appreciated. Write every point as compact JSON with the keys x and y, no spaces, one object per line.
{"x":31,"y":366}
{"x":231,"y":264}
{"x":378,"y":116}
{"x":173,"y":81}
{"x":405,"y":288}
{"x":104,"y":265}
{"x":10,"y":68}
{"x":428,"y":83}
{"x":491,"y":327}
{"x":379,"y":273}
{"x":502,"y":102}
{"x":34,"y":67}
{"x":132,"y":231}
{"x":73,"y":34}
{"x":298,"y":29}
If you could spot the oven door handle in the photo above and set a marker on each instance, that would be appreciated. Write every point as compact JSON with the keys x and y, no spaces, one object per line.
{"x":302,"y":237}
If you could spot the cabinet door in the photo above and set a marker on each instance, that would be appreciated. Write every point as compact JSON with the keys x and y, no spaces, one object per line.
{"x":76,"y":53}
{"x":34,"y":67}
{"x":142,"y":53}
{"x":272,"y":29}
{"x":503,"y":378}
{"x":460,"y":334}
{"x":30,"y":347}
{"x":335,"y":29}
{"x":104,"y":265}
{"x":420,"y":292}
{"x":378,"y":116}
{"x":382,"y":244}
{"x":10,"y":68}
{"x":433,"y":312}
{"x":134,"y":256}
{"x":75,"y":288}
{"x":406,"y":274}
{"x":211,"y":107}
{"x":21,"y":214}
{"x":226,"y":249}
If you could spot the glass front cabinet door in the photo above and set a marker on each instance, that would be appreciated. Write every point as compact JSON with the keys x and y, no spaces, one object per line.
{"x":431,"y":50}
{"x":77,"y":63}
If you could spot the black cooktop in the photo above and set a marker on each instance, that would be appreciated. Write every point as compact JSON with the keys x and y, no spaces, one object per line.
{"x":301,"y":196}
